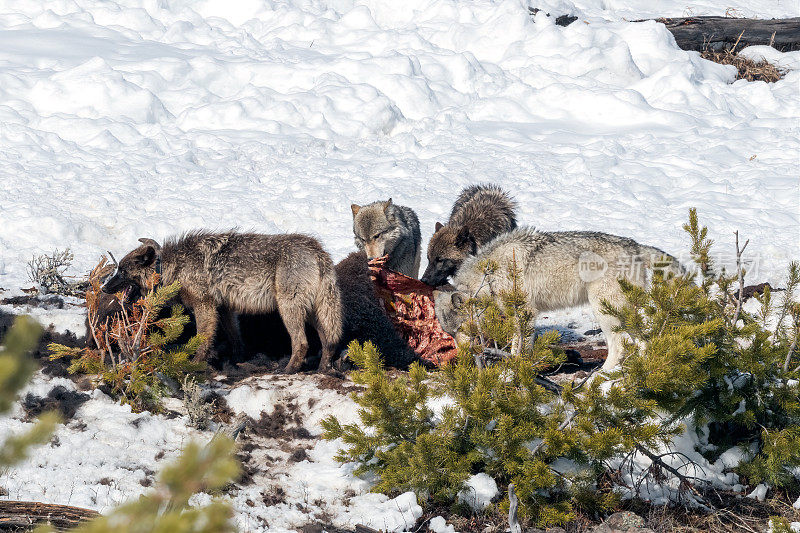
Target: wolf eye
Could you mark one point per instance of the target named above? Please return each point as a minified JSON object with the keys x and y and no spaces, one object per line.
{"x":377,"y":235}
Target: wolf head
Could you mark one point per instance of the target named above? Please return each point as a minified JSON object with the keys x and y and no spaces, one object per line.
{"x":448,"y":309}
{"x":135,"y":268}
{"x":447,"y":249}
{"x":375,"y":228}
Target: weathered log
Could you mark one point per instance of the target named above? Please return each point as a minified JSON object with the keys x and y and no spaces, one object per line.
{"x":718,"y":33}
{"x":15,"y":515}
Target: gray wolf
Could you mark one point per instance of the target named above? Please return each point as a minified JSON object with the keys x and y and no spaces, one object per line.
{"x":364,"y":317}
{"x":481,"y":213}
{"x":384,"y":228}
{"x":558,"y":270}
{"x":229,"y":273}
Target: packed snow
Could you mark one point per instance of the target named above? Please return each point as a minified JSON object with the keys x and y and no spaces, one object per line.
{"x":120,"y":120}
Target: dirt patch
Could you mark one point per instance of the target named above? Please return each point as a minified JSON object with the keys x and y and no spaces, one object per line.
{"x":51,"y":301}
{"x":340,"y":384}
{"x":283,"y":423}
{"x":221,"y":413}
{"x":298,"y":455}
{"x":41,"y":353}
{"x":66,"y":402}
{"x":273,"y":495}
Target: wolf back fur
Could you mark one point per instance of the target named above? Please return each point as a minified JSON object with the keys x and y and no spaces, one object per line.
{"x":230,"y":273}
{"x":558,"y":270}
{"x":480,"y":213}
{"x":364,"y":317}
{"x":382,"y":228}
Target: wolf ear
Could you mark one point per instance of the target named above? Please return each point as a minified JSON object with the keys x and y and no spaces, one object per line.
{"x":147,"y":257}
{"x":151,"y":242}
{"x":465,"y":241}
{"x":386,"y":204}
{"x":355,"y":208}
{"x":439,"y":226}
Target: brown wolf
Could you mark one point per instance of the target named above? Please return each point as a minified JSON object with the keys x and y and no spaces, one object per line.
{"x":481,"y":213}
{"x":384,"y":228}
{"x":244,"y":273}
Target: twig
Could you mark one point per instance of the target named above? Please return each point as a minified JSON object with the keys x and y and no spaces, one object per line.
{"x":789,"y":355}
{"x":513,"y":502}
{"x":544,"y":382}
{"x":684,"y":479}
{"x":740,"y":272}
{"x":732,"y":49}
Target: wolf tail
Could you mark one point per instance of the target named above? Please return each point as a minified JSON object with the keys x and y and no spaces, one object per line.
{"x":328,"y":305}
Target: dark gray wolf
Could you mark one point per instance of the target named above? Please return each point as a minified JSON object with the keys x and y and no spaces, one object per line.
{"x":382,"y":228}
{"x":558,"y":270}
{"x":364,"y":317}
{"x":481,"y":213}
{"x":230,"y":273}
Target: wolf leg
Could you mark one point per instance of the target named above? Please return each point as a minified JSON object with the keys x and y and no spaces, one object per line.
{"x":207,"y":317}
{"x":327,"y":349}
{"x":230,"y":323}
{"x":614,"y":340}
{"x":294,"y":318}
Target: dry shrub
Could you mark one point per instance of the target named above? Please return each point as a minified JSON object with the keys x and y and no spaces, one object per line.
{"x":136,"y":350}
{"x":747,"y":68}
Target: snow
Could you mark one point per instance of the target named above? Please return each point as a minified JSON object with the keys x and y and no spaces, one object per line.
{"x":120,"y":120}
{"x":784,"y":60}
{"x":438,"y":524}
{"x":100,"y":459}
{"x":479,"y":492}
{"x":683,"y":454}
{"x":759,"y":493}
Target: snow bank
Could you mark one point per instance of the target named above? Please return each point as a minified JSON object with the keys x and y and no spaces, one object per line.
{"x":479,"y":492}
{"x":783,"y":60}
{"x":129,"y":119}
{"x":104,"y":457}
{"x":438,"y":524}
{"x":684,"y":455}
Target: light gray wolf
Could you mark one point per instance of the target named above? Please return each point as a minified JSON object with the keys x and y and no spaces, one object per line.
{"x":481,"y":213}
{"x":558,"y":270}
{"x":229,"y":273}
{"x":384,"y":228}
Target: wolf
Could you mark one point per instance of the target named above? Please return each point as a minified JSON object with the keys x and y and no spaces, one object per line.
{"x":558,"y":270}
{"x":364,"y":316}
{"x":230,"y":273}
{"x":382,"y":228}
{"x":481,"y":213}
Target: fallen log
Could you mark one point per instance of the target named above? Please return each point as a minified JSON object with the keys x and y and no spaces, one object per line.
{"x":719,"y":33}
{"x":15,"y":515}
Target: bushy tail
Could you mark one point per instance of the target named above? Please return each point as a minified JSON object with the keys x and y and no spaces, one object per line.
{"x":328,"y":306}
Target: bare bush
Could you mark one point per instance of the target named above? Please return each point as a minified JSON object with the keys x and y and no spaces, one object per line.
{"x":199,"y":411}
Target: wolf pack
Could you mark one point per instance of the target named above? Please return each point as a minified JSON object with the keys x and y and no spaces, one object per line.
{"x":225,"y":275}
